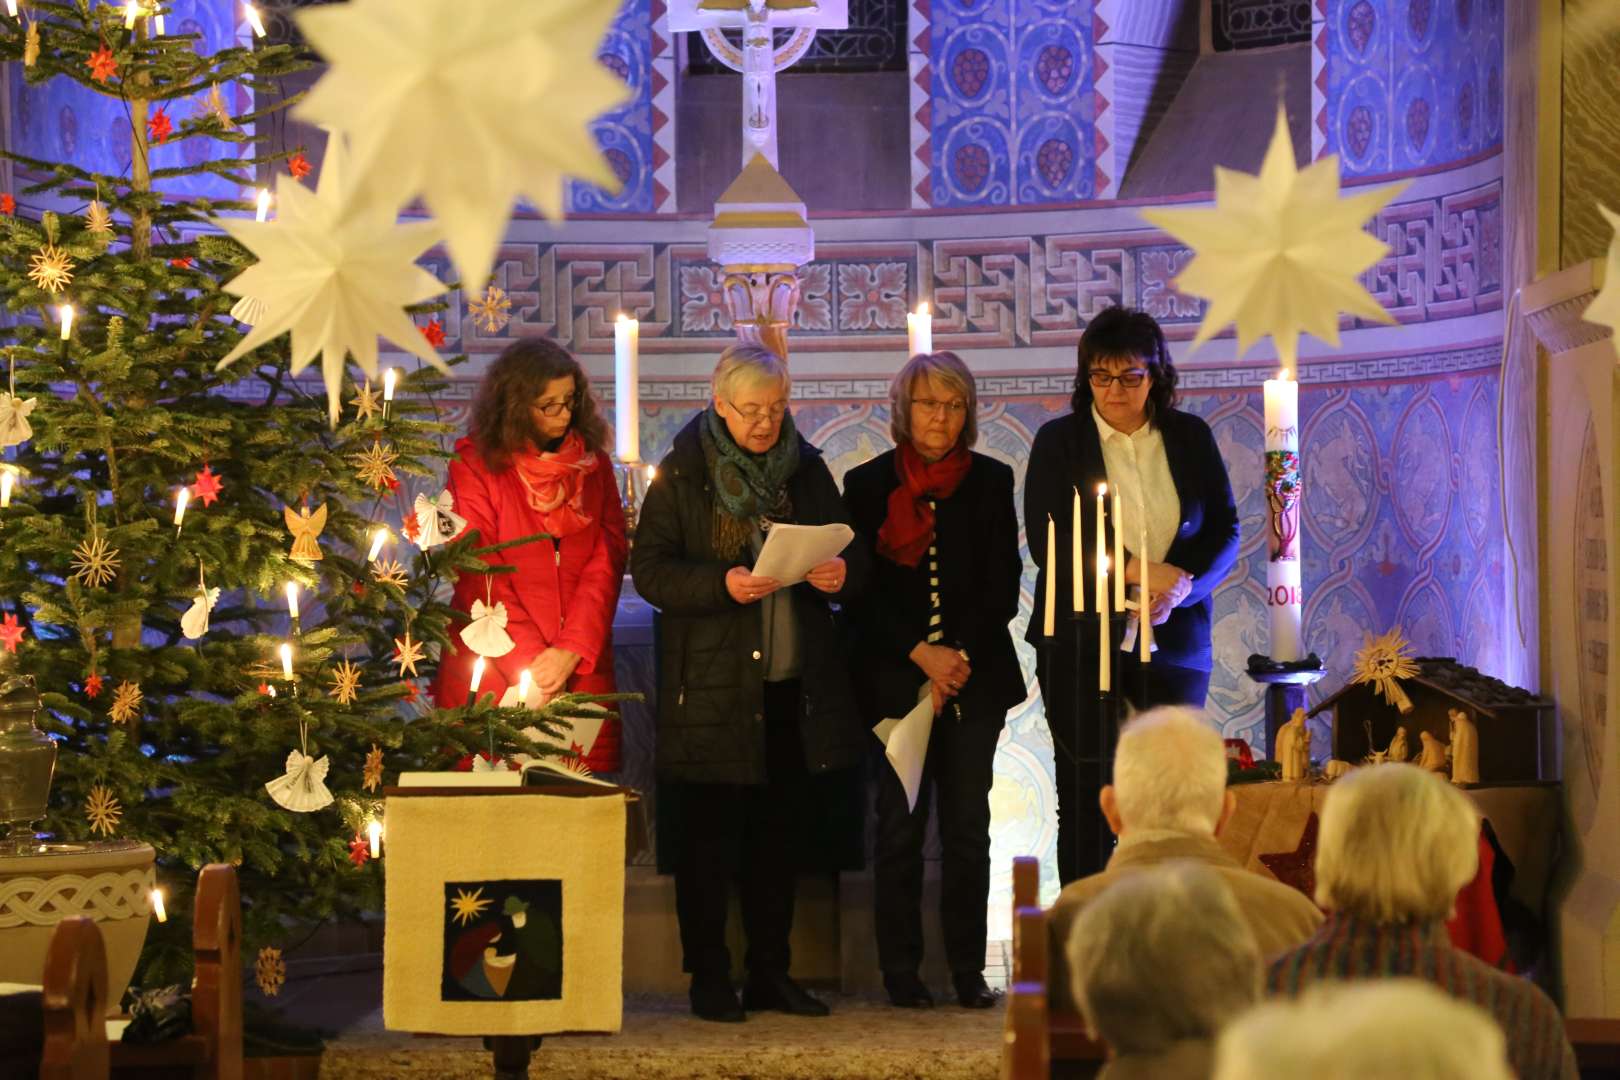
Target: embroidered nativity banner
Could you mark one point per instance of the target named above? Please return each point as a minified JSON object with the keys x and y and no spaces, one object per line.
{"x":505,"y":913}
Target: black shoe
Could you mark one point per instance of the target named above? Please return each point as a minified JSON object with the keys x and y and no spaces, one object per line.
{"x":713,"y":999}
{"x":781,"y":994}
{"x":906,"y":991}
{"x":973,"y":992}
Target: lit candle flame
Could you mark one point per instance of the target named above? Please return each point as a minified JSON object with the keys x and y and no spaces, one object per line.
{"x":1102,"y":489}
{"x":292,"y":600}
{"x":251,"y":13}
{"x":286,"y":661}
{"x":922,"y":308}
{"x":374,"y":830}
{"x":378,"y":539}
{"x":11,"y":8}
{"x":180,"y":501}
{"x":388,"y":384}
{"x":525,"y":681}
{"x":132,"y":11}
{"x":157,"y":906}
{"x":262,"y":213}
{"x":478,"y":676}
{"x":66,"y":313}
{"x":652,"y":473}
{"x":7,"y":479}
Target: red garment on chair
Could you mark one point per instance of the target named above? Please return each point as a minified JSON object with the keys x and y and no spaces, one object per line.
{"x":563,"y":594}
{"x":1476,"y":926}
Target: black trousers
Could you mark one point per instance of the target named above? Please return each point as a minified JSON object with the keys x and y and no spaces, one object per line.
{"x":743,"y":833}
{"x":1084,"y":842}
{"x":957,"y":773}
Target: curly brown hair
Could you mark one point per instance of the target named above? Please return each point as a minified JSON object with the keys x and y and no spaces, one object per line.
{"x":502,"y":423}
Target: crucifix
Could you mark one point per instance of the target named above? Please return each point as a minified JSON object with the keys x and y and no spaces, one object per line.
{"x":758,"y":58}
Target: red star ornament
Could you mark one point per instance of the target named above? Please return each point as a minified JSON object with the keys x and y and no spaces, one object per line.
{"x":8,"y":204}
{"x":299,"y":166}
{"x":434,"y":332}
{"x":1297,"y":868}
{"x":412,"y":694}
{"x":92,"y":687}
{"x":359,"y":849}
{"x":207,"y":486}
{"x":181,"y":264}
{"x":11,"y":632}
{"x":158,"y":126}
{"x":102,"y":65}
{"x":410,"y":527}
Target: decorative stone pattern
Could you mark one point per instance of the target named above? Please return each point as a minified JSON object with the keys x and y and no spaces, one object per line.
{"x":1591,"y":565}
{"x":1405,"y":85}
{"x":638,"y":53}
{"x":32,"y":901}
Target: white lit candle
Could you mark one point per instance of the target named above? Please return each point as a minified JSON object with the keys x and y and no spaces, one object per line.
{"x":157,"y":24}
{"x":378,"y":539}
{"x":8,"y":477}
{"x":262,"y":210}
{"x":1105,"y":672}
{"x":1144,"y":608}
{"x":374,"y":831}
{"x":919,"y":331}
{"x":1075,"y":548}
{"x":181,"y":498}
{"x":66,"y":314}
{"x":389,"y":378}
{"x":11,"y":8}
{"x":251,"y":13}
{"x":652,"y":473}
{"x":286,"y":661}
{"x":157,"y":906}
{"x":1119,"y":556}
{"x":292,"y":599}
{"x":627,"y":388}
{"x":478,"y":677}
{"x":1284,"y":597}
{"x":525,"y":683}
{"x":132,"y":11}
{"x":1049,"y":613}
{"x":1102,"y":550}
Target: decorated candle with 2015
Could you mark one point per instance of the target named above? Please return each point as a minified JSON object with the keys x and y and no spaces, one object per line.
{"x":1285,"y":598}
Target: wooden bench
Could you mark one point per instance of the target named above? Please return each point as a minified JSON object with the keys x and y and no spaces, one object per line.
{"x":74,"y":1003}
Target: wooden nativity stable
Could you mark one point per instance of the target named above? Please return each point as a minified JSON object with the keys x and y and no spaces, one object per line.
{"x":1517,"y":739}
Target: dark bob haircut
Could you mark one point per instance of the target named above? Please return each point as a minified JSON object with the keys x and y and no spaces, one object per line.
{"x":502,"y":423}
{"x":1121,"y":332}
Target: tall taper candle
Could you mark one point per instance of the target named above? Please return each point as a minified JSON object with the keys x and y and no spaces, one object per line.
{"x":627,"y":389}
{"x":1102,"y":551}
{"x":919,"y":331}
{"x":1076,"y":548}
{"x":1119,"y":556}
{"x":1049,"y":616}
{"x":1105,"y":667}
{"x":1144,"y":607}
{"x":1284,"y":597}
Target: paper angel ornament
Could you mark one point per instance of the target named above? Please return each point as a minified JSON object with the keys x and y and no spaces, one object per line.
{"x":302,"y":788}
{"x":486,"y":635}
{"x":306,"y":529}
{"x":14,"y":419}
{"x":437,"y":524}
{"x":249,"y":310}
{"x":194,"y":623}
{"x":1280,"y":253}
{"x":480,"y":763}
{"x":1605,"y":308}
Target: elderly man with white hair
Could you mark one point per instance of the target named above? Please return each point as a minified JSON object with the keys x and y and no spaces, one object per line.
{"x":1395,"y":845}
{"x":1159,"y":963}
{"x":1395,"y":1029}
{"x":1167,"y":802}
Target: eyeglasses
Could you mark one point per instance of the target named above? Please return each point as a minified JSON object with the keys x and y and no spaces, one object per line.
{"x":556,"y":408}
{"x":754,"y":414}
{"x":1130,"y":380}
{"x":950,"y":408}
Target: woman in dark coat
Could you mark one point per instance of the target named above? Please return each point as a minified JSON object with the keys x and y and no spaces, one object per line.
{"x":753,"y":685}
{"x":944,"y":588}
{"x":1126,"y":431}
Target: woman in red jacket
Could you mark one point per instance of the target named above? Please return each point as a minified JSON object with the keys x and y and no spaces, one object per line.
{"x":533,"y":462}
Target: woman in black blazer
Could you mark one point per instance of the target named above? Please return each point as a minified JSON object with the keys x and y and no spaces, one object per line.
{"x":1126,"y":431}
{"x":944,"y":588}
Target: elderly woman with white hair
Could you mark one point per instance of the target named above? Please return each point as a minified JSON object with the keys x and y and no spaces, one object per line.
{"x":754,"y":693}
{"x":1395,"y":845}
{"x":1159,"y":964}
{"x":1394,"y":1029}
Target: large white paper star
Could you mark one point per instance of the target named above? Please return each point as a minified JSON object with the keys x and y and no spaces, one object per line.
{"x":335,"y":272}
{"x":1605,"y":309}
{"x":467,"y":103}
{"x":1280,"y":253}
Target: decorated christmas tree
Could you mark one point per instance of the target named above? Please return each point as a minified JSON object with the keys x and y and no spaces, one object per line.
{"x":208,"y":565}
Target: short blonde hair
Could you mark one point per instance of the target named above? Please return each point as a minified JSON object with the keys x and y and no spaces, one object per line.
{"x":1170,"y":771}
{"x":1396,"y":843}
{"x":949,"y":369}
{"x":1377,"y":1029}
{"x":1162,"y":955}
{"x":748,"y":365}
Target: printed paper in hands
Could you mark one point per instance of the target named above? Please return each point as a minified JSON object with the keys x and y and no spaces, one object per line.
{"x":1605,"y":310}
{"x":1280,"y":253}
{"x":905,"y":743}
{"x":792,"y":551}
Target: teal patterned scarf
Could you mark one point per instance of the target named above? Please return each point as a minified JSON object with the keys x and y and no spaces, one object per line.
{"x":747,"y":486}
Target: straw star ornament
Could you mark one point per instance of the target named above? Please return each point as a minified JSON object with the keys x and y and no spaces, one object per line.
{"x":1384,"y":661}
{"x":50,"y":269}
{"x":1280,"y":253}
{"x":345,"y":683}
{"x":103,"y":811}
{"x":94,"y":562}
{"x":403,"y":76}
{"x":126,"y":704}
{"x":407,"y":653}
{"x":1605,"y":309}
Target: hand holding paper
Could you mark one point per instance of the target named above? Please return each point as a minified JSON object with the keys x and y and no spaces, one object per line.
{"x":905,"y":741}
{"x":792,"y":551}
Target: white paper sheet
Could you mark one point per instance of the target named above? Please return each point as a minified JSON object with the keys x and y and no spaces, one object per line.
{"x":792,"y":551}
{"x":905,"y":742}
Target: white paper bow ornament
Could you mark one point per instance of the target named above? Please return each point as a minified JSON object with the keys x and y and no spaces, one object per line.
{"x":437,"y":524}
{"x":194,"y":623}
{"x":302,"y":788}
{"x":14,"y":419}
{"x":486,"y":635}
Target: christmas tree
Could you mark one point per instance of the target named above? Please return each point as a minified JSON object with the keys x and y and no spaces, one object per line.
{"x":164,"y":513}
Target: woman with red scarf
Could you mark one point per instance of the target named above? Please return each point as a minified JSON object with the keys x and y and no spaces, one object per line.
{"x":944,"y":588}
{"x":533,"y":463}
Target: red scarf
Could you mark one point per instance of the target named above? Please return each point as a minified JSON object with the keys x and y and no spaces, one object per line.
{"x":553,"y":483}
{"x":908,"y":530}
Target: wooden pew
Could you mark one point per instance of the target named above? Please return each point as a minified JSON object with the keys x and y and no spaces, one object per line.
{"x":212,"y":1050}
{"x":1037,"y":1043}
{"x":74,"y":1002}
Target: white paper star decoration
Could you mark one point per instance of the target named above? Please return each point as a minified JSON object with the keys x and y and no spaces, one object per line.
{"x":1280,"y":253}
{"x":337,"y":273}
{"x":467,"y":103}
{"x":1605,"y":309}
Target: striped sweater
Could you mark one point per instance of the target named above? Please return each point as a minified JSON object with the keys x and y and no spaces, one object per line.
{"x":1347,"y":947}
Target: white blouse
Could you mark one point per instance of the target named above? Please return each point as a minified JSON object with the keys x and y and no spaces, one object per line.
{"x":1139,"y":470}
